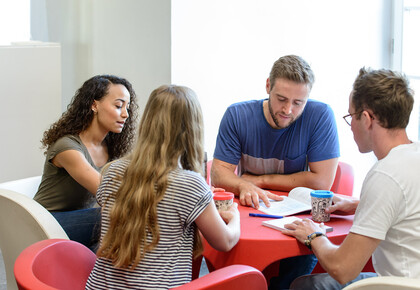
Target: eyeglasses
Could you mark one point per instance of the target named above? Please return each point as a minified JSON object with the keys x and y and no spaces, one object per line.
{"x":348,"y":117}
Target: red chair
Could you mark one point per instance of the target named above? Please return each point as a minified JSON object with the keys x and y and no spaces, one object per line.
{"x":208,"y":179}
{"x":54,"y":264}
{"x":344,"y":179}
{"x":63,"y":264}
{"x":231,"y":277}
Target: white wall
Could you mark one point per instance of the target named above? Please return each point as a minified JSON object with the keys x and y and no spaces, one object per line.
{"x":129,"y":38}
{"x":30,"y":82}
{"x":224,"y":51}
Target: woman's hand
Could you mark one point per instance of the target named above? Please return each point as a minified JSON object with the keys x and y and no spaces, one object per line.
{"x":217,"y":189}
{"x":232,"y":212}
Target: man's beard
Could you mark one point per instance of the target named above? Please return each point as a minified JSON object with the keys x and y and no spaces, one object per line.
{"x":273,"y":116}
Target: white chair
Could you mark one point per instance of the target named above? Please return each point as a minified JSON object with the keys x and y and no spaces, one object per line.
{"x":27,"y":186}
{"x":23,"y":222}
{"x":385,"y":283}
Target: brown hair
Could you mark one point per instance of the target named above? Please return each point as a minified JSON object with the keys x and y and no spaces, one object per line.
{"x":79,"y":116}
{"x":386,"y":93}
{"x":293,"y":68}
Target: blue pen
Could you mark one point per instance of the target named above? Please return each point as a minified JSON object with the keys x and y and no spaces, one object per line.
{"x":266,"y":215}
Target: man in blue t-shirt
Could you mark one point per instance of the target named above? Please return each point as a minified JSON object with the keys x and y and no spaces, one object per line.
{"x":273,"y":142}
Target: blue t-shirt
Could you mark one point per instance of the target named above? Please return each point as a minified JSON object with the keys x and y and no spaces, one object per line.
{"x":246,"y":139}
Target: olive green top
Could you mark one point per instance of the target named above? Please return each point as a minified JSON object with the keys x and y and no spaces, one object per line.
{"x":58,"y":191}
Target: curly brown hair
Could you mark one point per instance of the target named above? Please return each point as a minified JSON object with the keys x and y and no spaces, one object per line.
{"x":79,"y":116}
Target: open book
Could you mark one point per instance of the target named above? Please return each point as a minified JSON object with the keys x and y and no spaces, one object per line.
{"x":299,"y":200}
{"x":278,"y":224}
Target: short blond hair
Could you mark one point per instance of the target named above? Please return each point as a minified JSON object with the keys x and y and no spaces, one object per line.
{"x":293,"y":68}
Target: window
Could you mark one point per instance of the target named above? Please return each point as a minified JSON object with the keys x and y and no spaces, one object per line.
{"x":224,"y":51}
{"x":406,"y":54}
{"x":14,"y":21}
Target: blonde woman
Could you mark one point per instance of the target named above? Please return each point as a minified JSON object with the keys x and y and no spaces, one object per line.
{"x":154,"y":200}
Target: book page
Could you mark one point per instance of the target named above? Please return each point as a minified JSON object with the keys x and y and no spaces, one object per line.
{"x":278,"y":224}
{"x":287,"y":206}
{"x":302,"y":194}
{"x":299,"y":200}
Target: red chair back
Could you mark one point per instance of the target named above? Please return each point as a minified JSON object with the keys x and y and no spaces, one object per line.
{"x":54,"y":264}
{"x":209,"y":163}
{"x":344,"y":179}
{"x":230,"y":277}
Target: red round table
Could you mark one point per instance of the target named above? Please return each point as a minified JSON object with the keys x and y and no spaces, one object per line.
{"x":260,"y":246}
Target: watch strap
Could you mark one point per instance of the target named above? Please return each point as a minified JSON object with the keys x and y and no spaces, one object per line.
{"x":311,"y":237}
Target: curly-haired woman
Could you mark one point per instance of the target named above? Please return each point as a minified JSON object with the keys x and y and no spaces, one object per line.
{"x":98,"y":126}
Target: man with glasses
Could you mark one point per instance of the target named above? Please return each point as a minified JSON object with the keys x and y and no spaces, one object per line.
{"x":386,"y":224}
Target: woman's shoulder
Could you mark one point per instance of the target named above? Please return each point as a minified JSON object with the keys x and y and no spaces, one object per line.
{"x":188,"y":179}
{"x":180,"y":173}
{"x":117,"y":167}
{"x":112,"y":175}
{"x":68,"y":141}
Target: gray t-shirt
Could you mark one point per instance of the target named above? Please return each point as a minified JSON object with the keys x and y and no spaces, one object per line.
{"x":58,"y":191}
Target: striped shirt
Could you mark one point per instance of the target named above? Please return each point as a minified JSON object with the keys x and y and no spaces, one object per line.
{"x":169,"y":264}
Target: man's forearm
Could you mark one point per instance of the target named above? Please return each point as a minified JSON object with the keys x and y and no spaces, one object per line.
{"x":286,"y":182}
{"x":346,"y":261}
{"x":226,"y":179}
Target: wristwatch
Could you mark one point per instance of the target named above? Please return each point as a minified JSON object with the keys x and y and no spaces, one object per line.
{"x":311,"y":237}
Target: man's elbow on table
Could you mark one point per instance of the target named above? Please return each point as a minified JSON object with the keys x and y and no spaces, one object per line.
{"x":318,"y":182}
{"x":221,"y":170}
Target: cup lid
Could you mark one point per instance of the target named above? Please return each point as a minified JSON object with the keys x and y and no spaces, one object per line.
{"x":322,"y":193}
{"x":223,"y":195}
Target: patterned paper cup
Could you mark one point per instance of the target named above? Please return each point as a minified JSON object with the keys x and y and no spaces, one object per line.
{"x":321,"y":199}
{"x":223,"y":200}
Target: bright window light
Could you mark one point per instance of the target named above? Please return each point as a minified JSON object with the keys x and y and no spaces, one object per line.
{"x":411,"y":61}
{"x":14,"y":21}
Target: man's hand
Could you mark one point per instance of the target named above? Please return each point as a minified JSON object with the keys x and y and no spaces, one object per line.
{"x":343,"y":206}
{"x":301,"y":229}
{"x":250,"y":195}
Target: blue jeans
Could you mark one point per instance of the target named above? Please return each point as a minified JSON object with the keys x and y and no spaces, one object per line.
{"x":83,"y":226}
{"x":291,"y":268}
{"x":325,"y":281}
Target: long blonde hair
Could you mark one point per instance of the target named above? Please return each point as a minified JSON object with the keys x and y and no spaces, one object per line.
{"x":170,"y":133}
